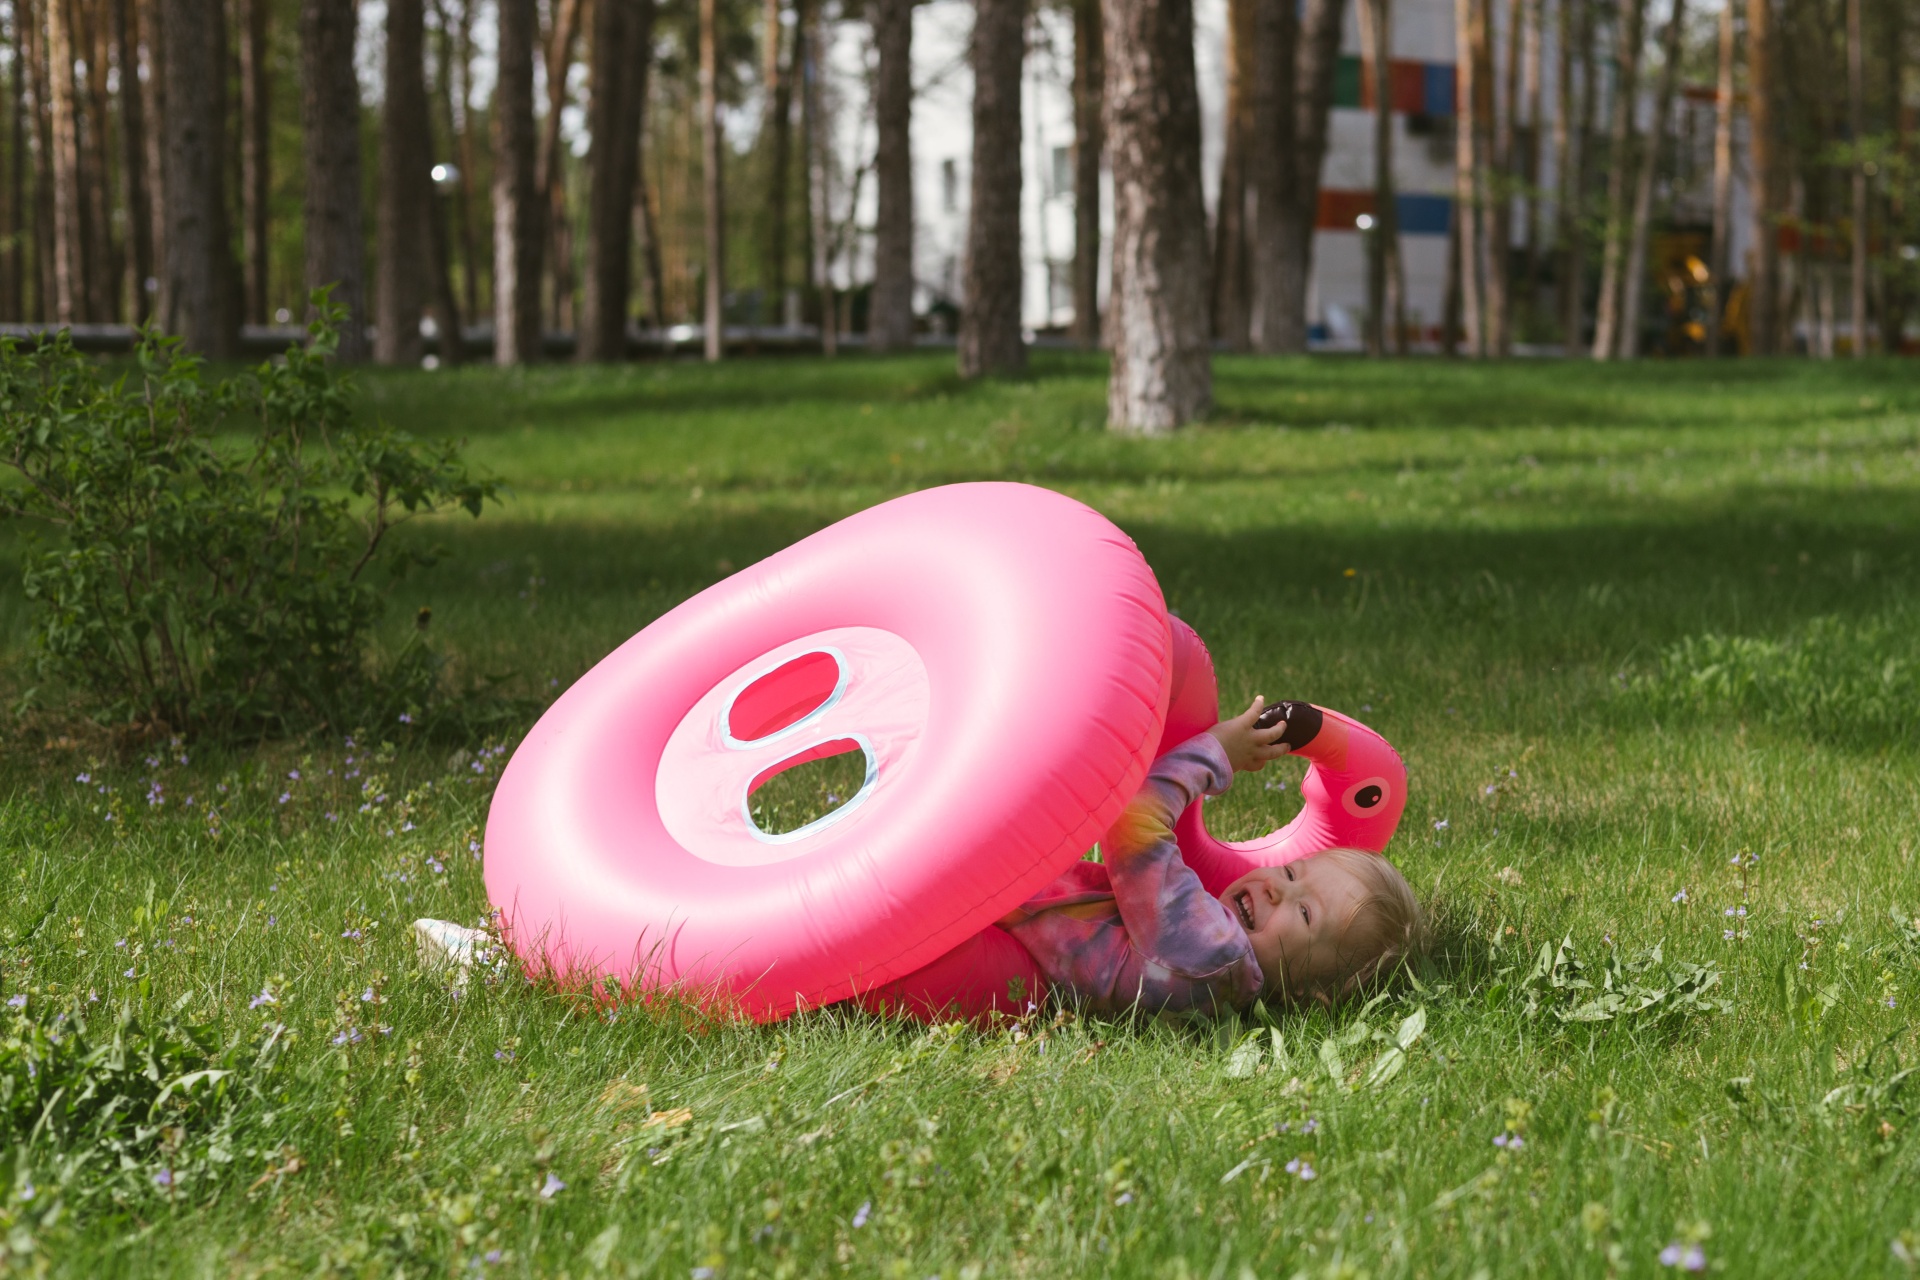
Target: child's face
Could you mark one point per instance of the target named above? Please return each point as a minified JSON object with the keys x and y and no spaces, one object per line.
{"x":1293,"y":916}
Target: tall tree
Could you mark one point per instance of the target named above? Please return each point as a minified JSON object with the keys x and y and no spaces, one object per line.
{"x":990,"y":338}
{"x":153,"y":105}
{"x":1635,"y":272}
{"x":1385,"y":295}
{"x":1491,"y":195}
{"x":256,"y":151}
{"x":101,"y":251}
{"x":1270,"y":171}
{"x":1526,"y":167}
{"x":1857,"y":132}
{"x":1467,"y":167}
{"x":621,"y":57}
{"x":713,"y":314}
{"x":1722,"y":265}
{"x":1089,"y":81}
{"x":1317,"y":59}
{"x":777,"y":130}
{"x":31,"y":22}
{"x":1607,"y":321}
{"x":516,"y":201}
{"x":330,"y":120}
{"x":133,"y":160}
{"x":1162,"y":374}
{"x":406,"y":189}
{"x":13,"y":257}
{"x":1896,"y":291}
{"x":69,"y":272}
{"x":1765,"y":175}
{"x":1232,"y":276}
{"x":196,"y":282}
{"x":1503,"y":174}
{"x":550,"y":159}
{"x":890,"y":309}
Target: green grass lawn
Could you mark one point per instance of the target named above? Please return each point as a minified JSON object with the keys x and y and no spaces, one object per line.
{"x":1627,"y":624}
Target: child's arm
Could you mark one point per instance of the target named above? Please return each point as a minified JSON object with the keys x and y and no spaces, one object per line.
{"x":1169,"y":916}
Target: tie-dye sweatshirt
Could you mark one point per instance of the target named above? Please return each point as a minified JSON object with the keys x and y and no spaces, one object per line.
{"x":1137,"y":928}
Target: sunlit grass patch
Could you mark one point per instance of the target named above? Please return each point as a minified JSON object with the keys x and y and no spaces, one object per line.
{"x":1627,"y":627}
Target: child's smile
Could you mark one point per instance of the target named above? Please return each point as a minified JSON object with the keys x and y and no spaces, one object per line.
{"x":1294,"y":917}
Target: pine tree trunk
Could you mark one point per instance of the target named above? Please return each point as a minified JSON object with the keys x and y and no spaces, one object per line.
{"x":69,"y":274}
{"x":621,"y":54}
{"x":1722,"y":263}
{"x":647,"y":227}
{"x":1162,"y":374}
{"x":13,"y":258}
{"x":1317,"y":59}
{"x":1607,"y":322}
{"x":713,"y":313}
{"x":330,"y":120}
{"x":1270,"y":168}
{"x":1896,"y":292}
{"x":196,"y":281}
{"x":890,"y":313}
{"x":1232,"y":278}
{"x":1496,"y":184}
{"x":133,"y":161}
{"x":106,"y":275}
{"x":406,"y":155}
{"x":1764,"y":178}
{"x":990,"y":337}
{"x":30,"y":21}
{"x":1527,"y":167}
{"x":1376,"y":42}
{"x":1632,"y":288}
{"x":549,"y":169}
{"x":153,"y":102}
{"x":446,"y":306}
{"x":1467,"y":213}
{"x":776,"y":129}
{"x":101,"y":249}
{"x":256,"y":151}
{"x":465,"y":225}
{"x":1857,"y":127}
{"x":1089,"y":87}
{"x":1494,"y":212}
{"x":517,"y":210}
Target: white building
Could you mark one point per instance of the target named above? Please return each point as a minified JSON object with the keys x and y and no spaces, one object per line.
{"x":1421,"y":97}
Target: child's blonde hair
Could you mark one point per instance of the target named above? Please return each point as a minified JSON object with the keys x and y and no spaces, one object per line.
{"x":1386,"y":926}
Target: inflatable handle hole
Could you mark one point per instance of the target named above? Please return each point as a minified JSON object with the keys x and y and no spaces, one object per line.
{"x":784,"y":697}
{"x":810,"y":789}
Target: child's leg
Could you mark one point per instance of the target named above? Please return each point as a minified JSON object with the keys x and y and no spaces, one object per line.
{"x":988,"y":974}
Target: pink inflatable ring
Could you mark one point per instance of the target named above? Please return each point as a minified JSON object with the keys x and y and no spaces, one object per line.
{"x":999,"y":653}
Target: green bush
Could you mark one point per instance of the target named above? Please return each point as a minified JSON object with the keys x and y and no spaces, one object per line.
{"x":199,"y":586}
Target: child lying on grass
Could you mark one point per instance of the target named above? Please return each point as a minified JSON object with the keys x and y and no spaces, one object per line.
{"x":1138,"y":928}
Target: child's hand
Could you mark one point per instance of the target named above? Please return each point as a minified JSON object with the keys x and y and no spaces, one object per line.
{"x":1249,"y":748}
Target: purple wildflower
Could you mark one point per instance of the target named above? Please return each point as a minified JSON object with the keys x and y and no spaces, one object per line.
{"x":266,"y":996}
{"x":164,"y":1178}
{"x":552,"y":1187}
{"x":861,"y":1214}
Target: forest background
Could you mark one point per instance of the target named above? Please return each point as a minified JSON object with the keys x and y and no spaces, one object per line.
{"x":207,"y":164}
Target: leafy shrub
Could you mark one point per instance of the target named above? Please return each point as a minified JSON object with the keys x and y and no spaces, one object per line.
{"x":1833,"y":679}
{"x":202,"y":587}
